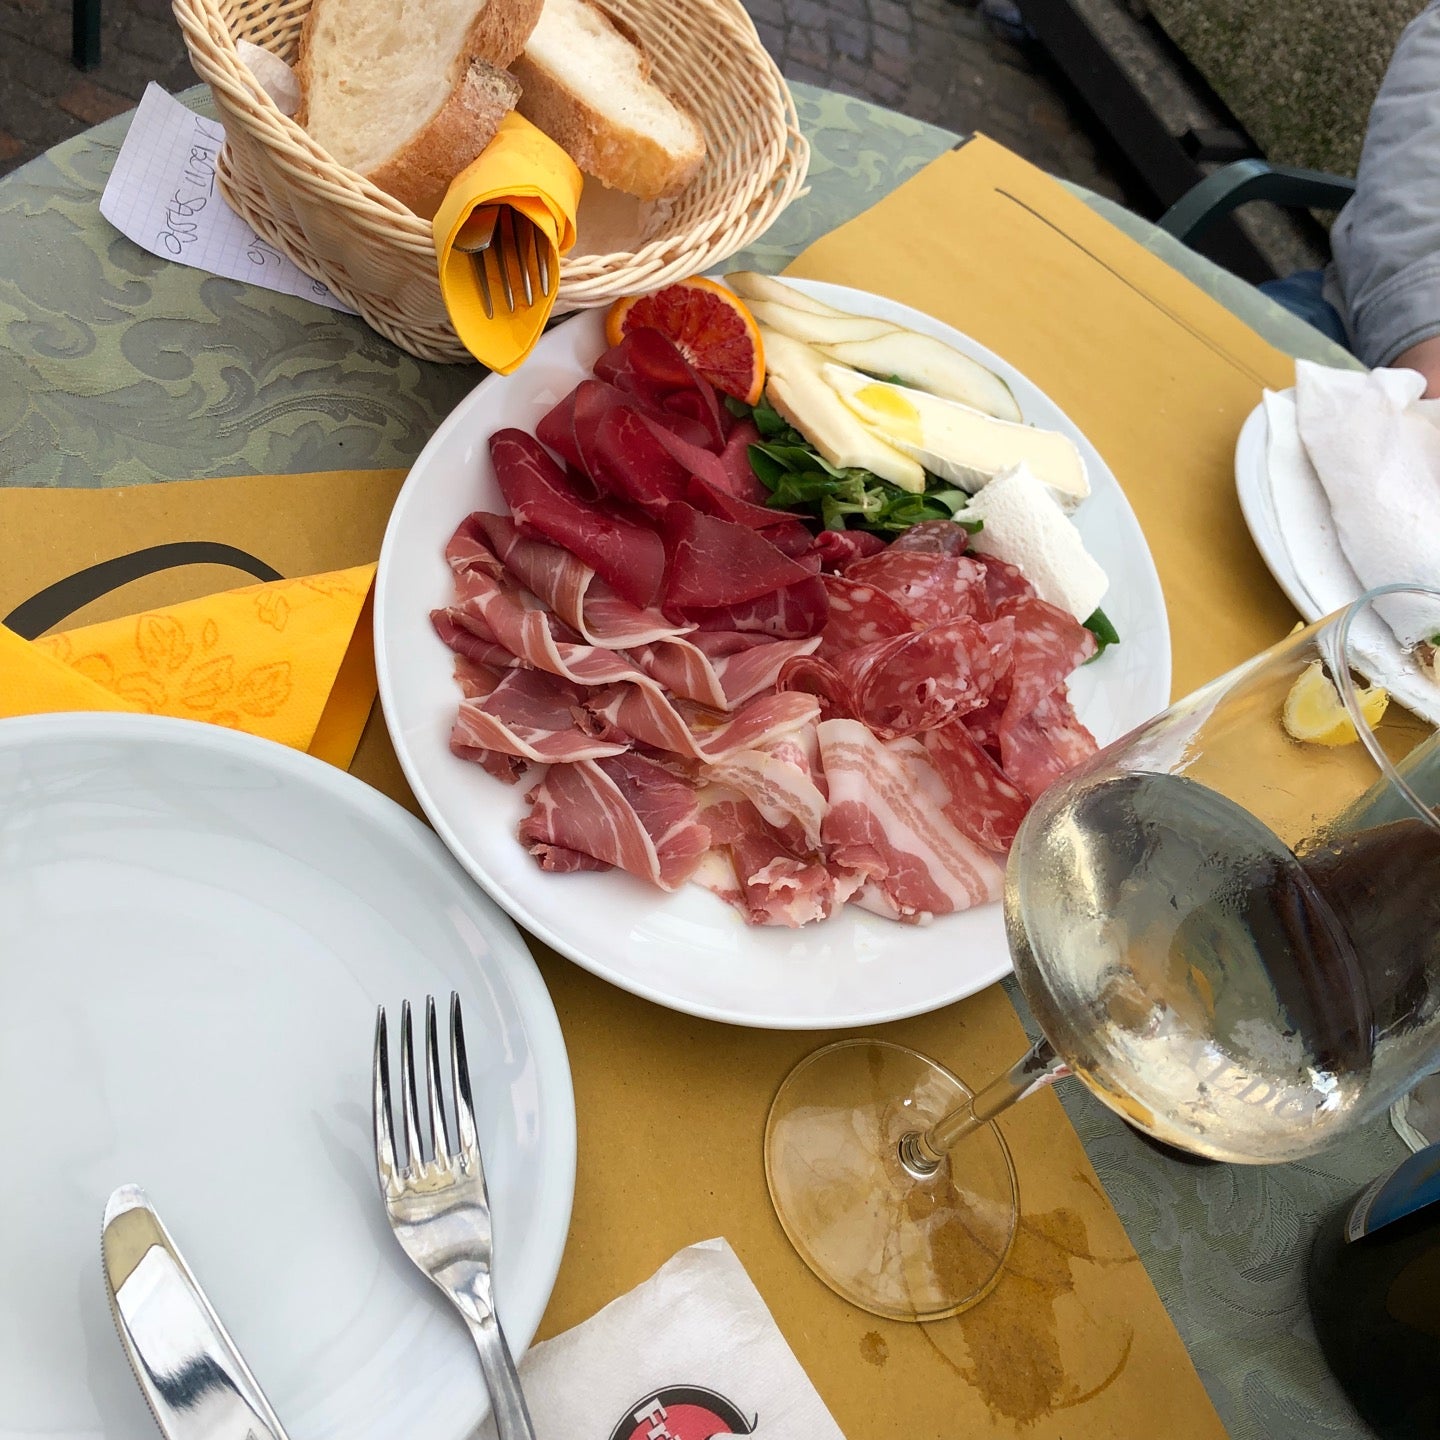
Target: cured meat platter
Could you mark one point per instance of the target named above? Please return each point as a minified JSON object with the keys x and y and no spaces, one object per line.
{"x":684,"y":948}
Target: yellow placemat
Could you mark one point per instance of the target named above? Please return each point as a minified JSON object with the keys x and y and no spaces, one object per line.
{"x":169,"y":631}
{"x":1157,"y":374}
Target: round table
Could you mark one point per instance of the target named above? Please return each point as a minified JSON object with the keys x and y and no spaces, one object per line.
{"x":118,"y":368}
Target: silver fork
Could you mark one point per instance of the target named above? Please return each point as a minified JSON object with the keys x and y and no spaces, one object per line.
{"x":438,"y":1208}
{"x":495,"y":237}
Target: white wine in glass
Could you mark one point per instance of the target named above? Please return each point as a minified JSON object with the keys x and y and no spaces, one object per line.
{"x":1226,"y":924}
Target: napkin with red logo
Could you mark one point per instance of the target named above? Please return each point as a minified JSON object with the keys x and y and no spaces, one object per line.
{"x":690,"y":1354}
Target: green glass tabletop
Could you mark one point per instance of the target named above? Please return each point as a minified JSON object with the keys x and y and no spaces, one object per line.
{"x":119,"y":368}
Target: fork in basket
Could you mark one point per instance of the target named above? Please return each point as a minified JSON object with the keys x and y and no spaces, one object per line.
{"x":496,"y":237}
{"x":438,"y":1208}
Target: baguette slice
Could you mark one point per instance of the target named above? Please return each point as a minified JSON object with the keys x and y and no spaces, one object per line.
{"x":586,"y":83}
{"x":409,"y":92}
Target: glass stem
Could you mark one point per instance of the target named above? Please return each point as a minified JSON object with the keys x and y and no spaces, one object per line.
{"x":1040,"y":1066}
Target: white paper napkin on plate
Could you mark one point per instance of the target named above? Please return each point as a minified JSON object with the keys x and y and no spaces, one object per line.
{"x":690,"y":1353}
{"x":1352,"y":467}
{"x":1375,"y":445}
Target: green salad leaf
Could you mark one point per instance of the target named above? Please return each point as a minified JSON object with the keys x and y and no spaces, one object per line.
{"x":800,"y":478}
{"x":1104,"y":632}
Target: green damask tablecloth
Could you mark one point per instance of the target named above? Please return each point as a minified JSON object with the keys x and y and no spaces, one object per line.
{"x":119,"y":368}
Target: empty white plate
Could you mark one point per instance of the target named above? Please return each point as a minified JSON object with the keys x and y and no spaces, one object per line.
{"x":195,"y":929}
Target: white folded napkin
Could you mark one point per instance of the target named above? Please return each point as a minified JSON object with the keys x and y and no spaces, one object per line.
{"x":1375,"y":446}
{"x":689,"y":1354}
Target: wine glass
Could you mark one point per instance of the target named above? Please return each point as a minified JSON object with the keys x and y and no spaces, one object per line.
{"x":1225,"y":924}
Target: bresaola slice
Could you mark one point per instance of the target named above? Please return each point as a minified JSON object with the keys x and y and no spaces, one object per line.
{"x":544,"y":502}
{"x":711,"y":563}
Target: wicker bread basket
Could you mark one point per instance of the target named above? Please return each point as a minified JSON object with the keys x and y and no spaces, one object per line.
{"x":379,"y":257}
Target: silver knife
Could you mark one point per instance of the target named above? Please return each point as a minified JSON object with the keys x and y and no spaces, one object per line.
{"x":189,"y":1370}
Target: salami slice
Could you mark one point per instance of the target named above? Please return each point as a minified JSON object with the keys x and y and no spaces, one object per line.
{"x":917,"y":682}
{"x":860,"y":614}
{"x":984,"y":803}
{"x":930,"y":588}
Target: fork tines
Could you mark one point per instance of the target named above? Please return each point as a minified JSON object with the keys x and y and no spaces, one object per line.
{"x":441,"y":1155}
{"x":496,"y":240}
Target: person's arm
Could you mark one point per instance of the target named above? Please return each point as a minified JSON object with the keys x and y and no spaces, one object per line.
{"x":1386,"y":241}
{"x":1424,"y":357}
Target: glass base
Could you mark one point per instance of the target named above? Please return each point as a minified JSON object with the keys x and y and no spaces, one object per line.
{"x":891,"y":1243}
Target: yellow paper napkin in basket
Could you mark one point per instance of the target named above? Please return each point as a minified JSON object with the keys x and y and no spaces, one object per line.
{"x":291,"y":661}
{"x":526,"y":170}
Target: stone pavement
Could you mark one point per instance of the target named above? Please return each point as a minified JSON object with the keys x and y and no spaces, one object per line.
{"x":935,"y":60}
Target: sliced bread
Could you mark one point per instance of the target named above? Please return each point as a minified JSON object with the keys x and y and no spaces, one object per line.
{"x":586,"y":83}
{"x":409,"y":92}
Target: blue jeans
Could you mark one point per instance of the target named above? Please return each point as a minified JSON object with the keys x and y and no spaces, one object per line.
{"x":1301,"y":295}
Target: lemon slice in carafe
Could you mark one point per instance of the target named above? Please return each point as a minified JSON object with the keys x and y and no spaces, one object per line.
{"x":1315,"y":713}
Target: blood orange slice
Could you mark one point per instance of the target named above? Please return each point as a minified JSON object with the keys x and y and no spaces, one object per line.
{"x":710,"y":326}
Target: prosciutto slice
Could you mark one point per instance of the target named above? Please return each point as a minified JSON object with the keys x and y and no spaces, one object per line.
{"x":648,"y":716}
{"x":626,"y":811}
{"x":778,"y":779}
{"x":756,"y":870}
{"x":717,"y":668}
{"x":886,"y":824}
{"x":533,"y":716}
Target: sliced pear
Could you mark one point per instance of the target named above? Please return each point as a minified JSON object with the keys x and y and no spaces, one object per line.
{"x":752,"y":285}
{"x":817,"y":329}
{"x":956,"y":442}
{"x":797,"y":390}
{"x":931,"y":365}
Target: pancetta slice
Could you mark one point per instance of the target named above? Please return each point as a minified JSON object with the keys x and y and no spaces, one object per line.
{"x":886,"y":824}
{"x":626,"y":811}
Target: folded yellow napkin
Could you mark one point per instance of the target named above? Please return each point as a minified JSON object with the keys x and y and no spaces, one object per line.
{"x":291,"y":661}
{"x":526,"y":170}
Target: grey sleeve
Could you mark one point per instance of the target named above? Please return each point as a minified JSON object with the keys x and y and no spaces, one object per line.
{"x":1386,"y":241}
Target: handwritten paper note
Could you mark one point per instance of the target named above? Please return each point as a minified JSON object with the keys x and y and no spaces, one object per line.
{"x":162,"y":195}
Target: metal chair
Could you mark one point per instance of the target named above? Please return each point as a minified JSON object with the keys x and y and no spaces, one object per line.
{"x":1242,"y":181}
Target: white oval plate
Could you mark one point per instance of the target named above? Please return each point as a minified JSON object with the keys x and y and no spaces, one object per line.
{"x":1292,"y":529}
{"x":195,"y":929}
{"x":690,"y":951}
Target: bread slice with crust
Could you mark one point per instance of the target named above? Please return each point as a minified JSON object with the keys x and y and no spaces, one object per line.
{"x":586,"y":83}
{"x":409,"y":92}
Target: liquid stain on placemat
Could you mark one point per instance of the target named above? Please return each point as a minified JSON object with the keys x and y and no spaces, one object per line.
{"x":873,"y":1348}
{"x":1009,"y":1345}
